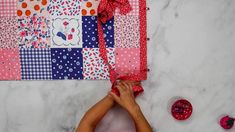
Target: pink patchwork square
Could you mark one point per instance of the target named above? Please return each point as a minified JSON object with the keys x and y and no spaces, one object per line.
{"x":9,"y":64}
{"x":127,"y":60}
{"x":127,"y":31}
{"x":8,"y":34}
{"x":94,"y":66}
{"x":8,"y":8}
{"x":135,"y":8}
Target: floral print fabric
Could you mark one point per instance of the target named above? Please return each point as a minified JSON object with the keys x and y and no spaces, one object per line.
{"x":66,"y":33}
{"x":33,"y":32}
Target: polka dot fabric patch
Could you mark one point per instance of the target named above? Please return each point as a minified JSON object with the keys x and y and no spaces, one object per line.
{"x":67,"y":8}
{"x":31,"y":7}
{"x":8,"y":25}
{"x":67,"y":63}
{"x":34,"y":32}
{"x":94,"y":67}
{"x":89,"y":7}
{"x":90,"y":32}
{"x":66,"y":32}
{"x":127,"y":31}
{"x":127,"y":60}
{"x":9,"y":64}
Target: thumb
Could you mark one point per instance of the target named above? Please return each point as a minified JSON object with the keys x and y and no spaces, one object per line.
{"x":115,"y":97}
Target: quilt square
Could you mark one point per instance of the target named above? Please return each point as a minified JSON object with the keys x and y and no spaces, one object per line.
{"x":90,"y":32}
{"x":9,"y":64}
{"x":35,"y":64}
{"x":66,"y":33}
{"x":127,"y":60}
{"x":93,"y":65}
{"x":8,"y":34}
{"x":65,"y":8}
{"x":67,"y":63}
{"x":31,"y":7}
{"x":8,"y":8}
{"x":135,"y":8}
{"x":89,"y":7}
{"x":34,"y":32}
{"x":127,"y":31}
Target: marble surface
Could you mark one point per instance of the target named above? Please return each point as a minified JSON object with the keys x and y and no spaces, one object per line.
{"x":191,"y":54}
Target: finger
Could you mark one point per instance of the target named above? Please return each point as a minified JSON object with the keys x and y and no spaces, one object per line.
{"x":120,"y":89}
{"x":133,"y":83}
{"x":126,"y":86}
{"x":137,"y":83}
{"x":118,"y":82}
{"x":115,"y":97}
{"x":122,"y":86}
{"x":131,"y":89}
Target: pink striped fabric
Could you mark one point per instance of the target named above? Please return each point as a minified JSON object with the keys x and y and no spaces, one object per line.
{"x":8,"y":8}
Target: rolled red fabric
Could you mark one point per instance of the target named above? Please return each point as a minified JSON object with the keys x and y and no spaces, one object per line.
{"x":106,"y":11}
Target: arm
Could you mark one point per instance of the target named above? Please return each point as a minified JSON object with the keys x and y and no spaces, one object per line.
{"x":141,"y":123}
{"x":127,"y":101}
{"x":95,"y":114}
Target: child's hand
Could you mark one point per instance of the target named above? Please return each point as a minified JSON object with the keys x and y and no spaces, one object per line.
{"x":126,"y":99}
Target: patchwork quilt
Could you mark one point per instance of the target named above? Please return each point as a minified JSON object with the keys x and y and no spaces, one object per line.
{"x":59,"y":39}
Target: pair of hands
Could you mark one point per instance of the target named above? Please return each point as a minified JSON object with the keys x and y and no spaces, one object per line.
{"x":126,"y":99}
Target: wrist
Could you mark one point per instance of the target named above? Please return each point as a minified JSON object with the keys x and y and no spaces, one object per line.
{"x":110,"y":98}
{"x":134,"y":110}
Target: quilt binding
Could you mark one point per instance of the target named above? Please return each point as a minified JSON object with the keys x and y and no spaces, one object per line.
{"x":143,"y":38}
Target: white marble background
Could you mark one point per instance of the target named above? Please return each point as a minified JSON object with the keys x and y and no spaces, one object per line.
{"x":191,"y":54}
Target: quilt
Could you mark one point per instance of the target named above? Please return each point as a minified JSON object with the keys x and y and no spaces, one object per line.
{"x":73,"y":39}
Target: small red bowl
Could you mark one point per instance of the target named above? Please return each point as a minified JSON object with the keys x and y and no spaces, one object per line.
{"x":181,"y":109}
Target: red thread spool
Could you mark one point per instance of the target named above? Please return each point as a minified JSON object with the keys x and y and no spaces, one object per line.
{"x":181,"y":109}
